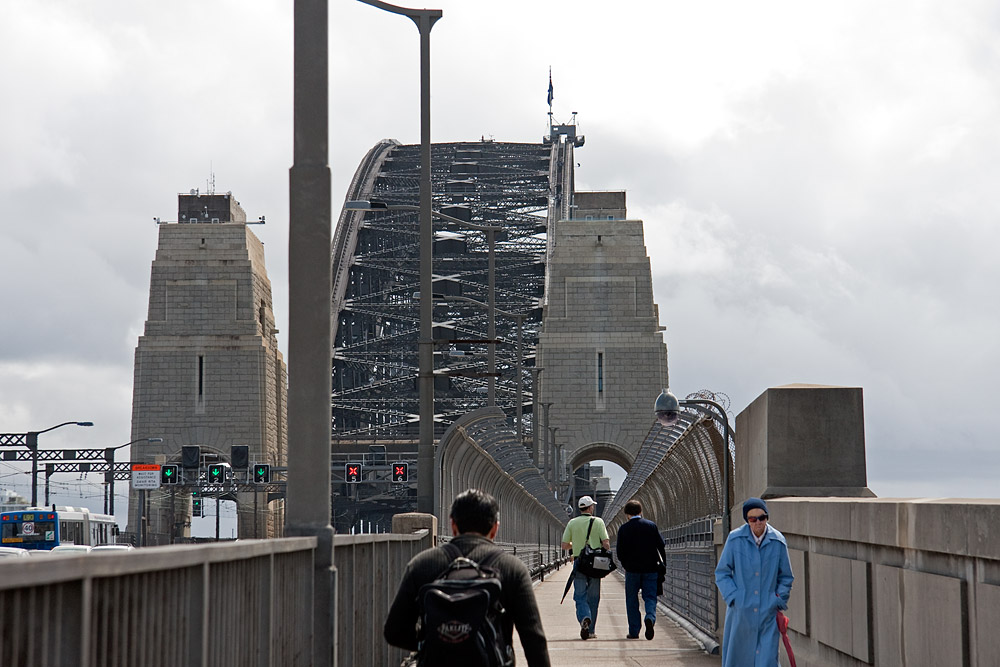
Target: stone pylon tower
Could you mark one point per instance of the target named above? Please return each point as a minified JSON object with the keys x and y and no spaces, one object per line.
{"x":601,"y":344}
{"x":207,"y":367}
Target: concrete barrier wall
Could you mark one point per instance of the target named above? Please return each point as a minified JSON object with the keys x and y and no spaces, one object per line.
{"x":893,"y":582}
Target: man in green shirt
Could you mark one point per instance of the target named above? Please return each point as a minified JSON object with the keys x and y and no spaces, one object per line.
{"x":586,"y":590}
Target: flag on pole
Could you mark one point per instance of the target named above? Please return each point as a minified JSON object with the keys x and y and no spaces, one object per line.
{"x":550,"y":86}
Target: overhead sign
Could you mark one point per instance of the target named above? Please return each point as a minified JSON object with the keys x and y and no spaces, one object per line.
{"x":145,"y":476}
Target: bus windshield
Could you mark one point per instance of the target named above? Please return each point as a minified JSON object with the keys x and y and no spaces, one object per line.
{"x":29,"y":530}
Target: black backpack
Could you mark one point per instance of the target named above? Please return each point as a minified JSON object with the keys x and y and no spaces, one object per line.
{"x":461,"y":618}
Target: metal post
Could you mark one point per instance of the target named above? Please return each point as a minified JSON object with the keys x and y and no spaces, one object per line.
{"x":519,"y":413}
{"x":109,"y":456}
{"x":492,"y":315}
{"x":218,"y":512}
{"x":48,"y":473}
{"x":309,"y":341}
{"x":557,"y":473}
{"x":536,"y":386}
{"x":425,"y":449}
{"x":548,"y":443}
{"x":173,"y":513}
{"x":141,"y":537}
{"x":32,"y":443}
{"x":424,"y":19}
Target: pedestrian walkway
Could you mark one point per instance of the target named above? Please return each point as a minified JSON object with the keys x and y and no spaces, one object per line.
{"x":671,"y":647}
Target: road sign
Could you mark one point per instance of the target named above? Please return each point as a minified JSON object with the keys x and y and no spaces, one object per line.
{"x":145,"y":476}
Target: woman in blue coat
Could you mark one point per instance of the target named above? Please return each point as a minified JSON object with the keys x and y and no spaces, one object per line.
{"x":754,"y":577}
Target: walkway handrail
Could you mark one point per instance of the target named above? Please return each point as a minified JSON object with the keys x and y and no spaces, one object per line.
{"x":246,"y":603}
{"x":481,"y":450}
{"x":677,"y":474}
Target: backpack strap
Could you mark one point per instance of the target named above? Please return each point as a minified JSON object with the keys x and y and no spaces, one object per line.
{"x":452,"y":551}
{"x":590,"y":526}
{"x":490,"y":557}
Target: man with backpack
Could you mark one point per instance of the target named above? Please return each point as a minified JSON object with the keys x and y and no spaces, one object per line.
{"x":582,"y":531}
{"x":468,"y":596}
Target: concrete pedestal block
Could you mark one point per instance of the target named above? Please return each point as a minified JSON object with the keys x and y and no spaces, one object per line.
{"x":802,"y":440}
{"x":411,"y":522}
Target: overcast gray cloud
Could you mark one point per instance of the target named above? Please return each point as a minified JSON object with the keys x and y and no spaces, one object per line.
{"x":817,"y":184}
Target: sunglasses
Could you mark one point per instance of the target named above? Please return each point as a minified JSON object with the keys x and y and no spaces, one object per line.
{"x":755,"y":519}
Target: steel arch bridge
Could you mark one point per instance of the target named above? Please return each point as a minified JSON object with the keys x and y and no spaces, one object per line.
{"x":519,"y":187}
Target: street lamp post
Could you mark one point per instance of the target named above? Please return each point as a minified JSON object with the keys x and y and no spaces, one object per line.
{"x":535,"y":390}
{"x":547,"y":445}
{"x":307,"y":508}
{"x":666,"y":408}
{"x":31,"y":442}
{"x":557,"y":468}
{"x":109,"y":477}
{"x":493,"y":310}
{"x":424,"y":19}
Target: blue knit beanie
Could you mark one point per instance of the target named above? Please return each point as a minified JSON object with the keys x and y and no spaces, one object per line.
{"x":752,"y":503}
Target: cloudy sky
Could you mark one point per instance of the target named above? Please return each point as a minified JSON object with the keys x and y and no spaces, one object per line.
{"x":818,"y":184}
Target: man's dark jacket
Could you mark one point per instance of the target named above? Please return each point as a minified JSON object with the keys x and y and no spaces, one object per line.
{"x":639,"y":545}
{"x":517,"y":597}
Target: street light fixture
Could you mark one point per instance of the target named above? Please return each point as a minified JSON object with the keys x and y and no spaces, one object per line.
{"x":667,"y":407}
{"x":31,"y":442}
{"x":425,"y":20}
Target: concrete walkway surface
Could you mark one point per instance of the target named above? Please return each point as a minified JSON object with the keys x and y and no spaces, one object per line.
{"x":670,"y":647}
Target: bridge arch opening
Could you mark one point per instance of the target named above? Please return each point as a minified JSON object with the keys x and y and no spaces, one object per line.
{"x":607,"y":451}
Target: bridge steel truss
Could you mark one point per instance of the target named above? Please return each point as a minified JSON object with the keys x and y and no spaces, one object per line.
{"x":480,"y":450}
{"x":519,"y":187}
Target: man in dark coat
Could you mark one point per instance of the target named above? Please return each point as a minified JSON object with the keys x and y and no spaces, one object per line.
{"x":640,"y":549}
{"x":474,"y":523}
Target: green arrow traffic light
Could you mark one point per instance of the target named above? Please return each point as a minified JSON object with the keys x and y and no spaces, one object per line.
{"x":262,"y":474}
{"x":168,"y":474}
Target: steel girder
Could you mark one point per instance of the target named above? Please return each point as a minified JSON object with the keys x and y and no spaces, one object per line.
{"x":376,"y":260}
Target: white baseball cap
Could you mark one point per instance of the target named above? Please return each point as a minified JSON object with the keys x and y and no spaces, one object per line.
{"x":585,"y":502}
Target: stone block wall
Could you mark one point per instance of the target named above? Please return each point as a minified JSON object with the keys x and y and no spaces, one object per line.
{"x":892,"y":582}
{"x":208,"y":371}
{"x":601,"y":345}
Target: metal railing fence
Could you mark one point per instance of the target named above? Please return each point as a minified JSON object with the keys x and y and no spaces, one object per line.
{"x":243,"y":603}
{"x":689,"y":588}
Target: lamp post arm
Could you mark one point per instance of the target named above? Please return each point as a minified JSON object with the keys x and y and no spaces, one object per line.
{"x":52,"y":428}
{"x":415,"y":14}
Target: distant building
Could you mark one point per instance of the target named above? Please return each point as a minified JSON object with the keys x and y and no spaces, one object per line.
{"x":10,"y":501}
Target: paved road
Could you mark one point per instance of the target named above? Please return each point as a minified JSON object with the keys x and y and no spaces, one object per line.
{"x":671,"y":647}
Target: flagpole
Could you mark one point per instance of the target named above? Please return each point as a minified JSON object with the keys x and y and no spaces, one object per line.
{"x":550,"y":100}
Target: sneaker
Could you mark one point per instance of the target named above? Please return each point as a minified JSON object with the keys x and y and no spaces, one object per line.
{"x":649,"y":628}
{"x":631,"y":636}
{"x":585,"y":629}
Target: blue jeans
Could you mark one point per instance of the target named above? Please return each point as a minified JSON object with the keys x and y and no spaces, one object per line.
{"x":587,"y":596}
{"x":634,"y":582}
